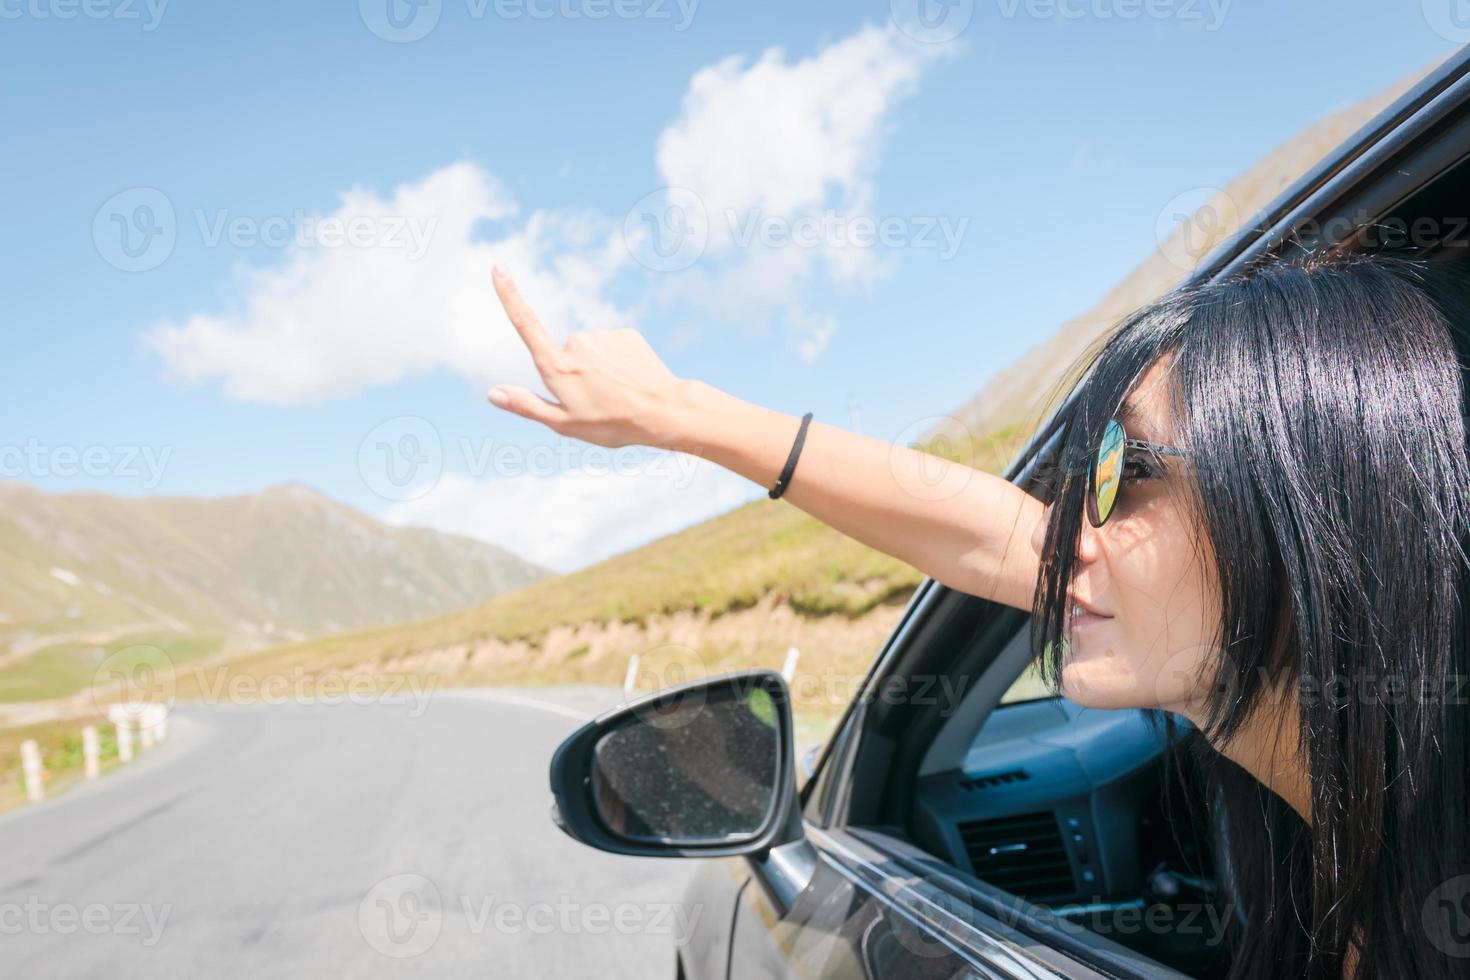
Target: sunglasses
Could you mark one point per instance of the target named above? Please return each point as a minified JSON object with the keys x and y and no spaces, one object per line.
{"x":1105,"y":478}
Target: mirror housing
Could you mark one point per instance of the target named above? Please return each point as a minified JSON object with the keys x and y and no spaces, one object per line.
{"x":696,"y":721}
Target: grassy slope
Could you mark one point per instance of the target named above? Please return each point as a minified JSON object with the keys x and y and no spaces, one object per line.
{"x":725,"y":564}
{"x":61,"y":753}
{"x":59,"y":670}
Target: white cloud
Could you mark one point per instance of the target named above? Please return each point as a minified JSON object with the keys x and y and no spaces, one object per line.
{"x":786,"y":137}
{"x":332,"y":321}
{"x":581,"y":516}
{"x":812,"y":332}
{"x":790,"y":144}
{"x":780,"y":154}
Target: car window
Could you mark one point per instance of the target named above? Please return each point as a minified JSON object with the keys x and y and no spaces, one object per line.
{"x":1030,"y":686}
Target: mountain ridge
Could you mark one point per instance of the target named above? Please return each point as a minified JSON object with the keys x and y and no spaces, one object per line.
{"x":276,"y":565}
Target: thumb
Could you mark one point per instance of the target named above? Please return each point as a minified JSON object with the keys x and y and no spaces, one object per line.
{"x":527,"y":404}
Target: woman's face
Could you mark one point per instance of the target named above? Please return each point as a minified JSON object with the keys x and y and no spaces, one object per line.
{"x":1150,"y":641}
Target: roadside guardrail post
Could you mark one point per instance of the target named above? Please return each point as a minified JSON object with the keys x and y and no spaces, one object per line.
{"x":788,"y":671}
{"x":30,"y":764}
{"x":89,"y":751}
{"x":124,"y":740}
{"x":630,"y":680}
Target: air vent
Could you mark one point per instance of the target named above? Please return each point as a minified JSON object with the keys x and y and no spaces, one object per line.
{"x":971,"y":783}
{"x":1022,"y":855}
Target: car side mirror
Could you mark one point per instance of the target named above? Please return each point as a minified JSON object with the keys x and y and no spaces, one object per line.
{"x":701,"y":770}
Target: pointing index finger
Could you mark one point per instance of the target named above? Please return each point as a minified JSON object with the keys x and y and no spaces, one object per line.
{"x":523,"y":318}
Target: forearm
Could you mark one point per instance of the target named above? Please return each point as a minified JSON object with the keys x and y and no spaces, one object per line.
{"x":968,"y":529}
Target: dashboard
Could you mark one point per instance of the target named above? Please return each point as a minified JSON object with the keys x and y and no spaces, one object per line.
{"x":1054,"y":802}
{"x":1082,"y":810}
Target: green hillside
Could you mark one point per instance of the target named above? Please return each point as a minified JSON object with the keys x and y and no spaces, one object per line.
{"x":84,"y":574}
{"x":722,"y":566}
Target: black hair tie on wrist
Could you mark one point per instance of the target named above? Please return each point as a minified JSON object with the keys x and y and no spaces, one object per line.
{"x":784,"y":480}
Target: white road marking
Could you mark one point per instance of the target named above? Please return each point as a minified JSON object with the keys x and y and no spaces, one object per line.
{"x":536,"y":703}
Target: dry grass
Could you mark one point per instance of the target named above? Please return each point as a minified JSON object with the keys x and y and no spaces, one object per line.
{"x":60,"y":743}
{"x":764,"y":551}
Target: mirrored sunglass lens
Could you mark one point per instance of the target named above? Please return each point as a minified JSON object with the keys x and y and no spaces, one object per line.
{"x":1108,"y":475}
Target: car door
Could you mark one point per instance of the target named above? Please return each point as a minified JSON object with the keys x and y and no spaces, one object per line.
{"x":865,"y":915}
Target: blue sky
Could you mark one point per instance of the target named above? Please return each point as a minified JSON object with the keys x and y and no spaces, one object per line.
{"x":1017,"y":154}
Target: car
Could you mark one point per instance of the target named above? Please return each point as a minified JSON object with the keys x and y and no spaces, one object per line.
{"x":952,"y":828}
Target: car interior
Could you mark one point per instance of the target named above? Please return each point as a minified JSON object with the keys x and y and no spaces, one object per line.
{"x":1086,"y":815}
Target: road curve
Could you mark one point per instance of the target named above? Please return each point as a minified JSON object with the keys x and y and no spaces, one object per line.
{"x":310,"y":840}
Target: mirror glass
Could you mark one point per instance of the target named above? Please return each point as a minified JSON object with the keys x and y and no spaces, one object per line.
{"x":701,"y":770}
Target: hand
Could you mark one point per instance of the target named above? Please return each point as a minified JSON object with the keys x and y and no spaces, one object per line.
{"x":610,"y":387}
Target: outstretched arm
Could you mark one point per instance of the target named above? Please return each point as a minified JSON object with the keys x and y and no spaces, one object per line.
{"x":968,"y":529}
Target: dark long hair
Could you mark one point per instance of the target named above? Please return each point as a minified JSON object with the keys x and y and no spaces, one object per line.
{"x":1325,"y":405}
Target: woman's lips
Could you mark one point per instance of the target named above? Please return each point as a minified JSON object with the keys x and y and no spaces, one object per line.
{"x":1080,"y":616}
{"x":1081,"y":620}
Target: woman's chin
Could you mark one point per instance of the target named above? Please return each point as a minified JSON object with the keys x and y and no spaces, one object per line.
{"x":1101,"y":680}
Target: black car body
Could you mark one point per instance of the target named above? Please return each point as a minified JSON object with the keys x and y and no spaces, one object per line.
{"x":947,"y":836}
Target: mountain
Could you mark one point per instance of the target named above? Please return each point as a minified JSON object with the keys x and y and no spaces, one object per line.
{"x":269,"y":567}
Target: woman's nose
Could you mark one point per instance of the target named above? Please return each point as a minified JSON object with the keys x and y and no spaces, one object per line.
{"x":1088,"y":542}
{"x":1088,"y":537}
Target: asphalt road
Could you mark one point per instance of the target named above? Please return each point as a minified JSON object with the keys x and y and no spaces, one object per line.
{"x":310,"y":840}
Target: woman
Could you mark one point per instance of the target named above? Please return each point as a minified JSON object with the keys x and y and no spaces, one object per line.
{"x":1271,"y":543}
